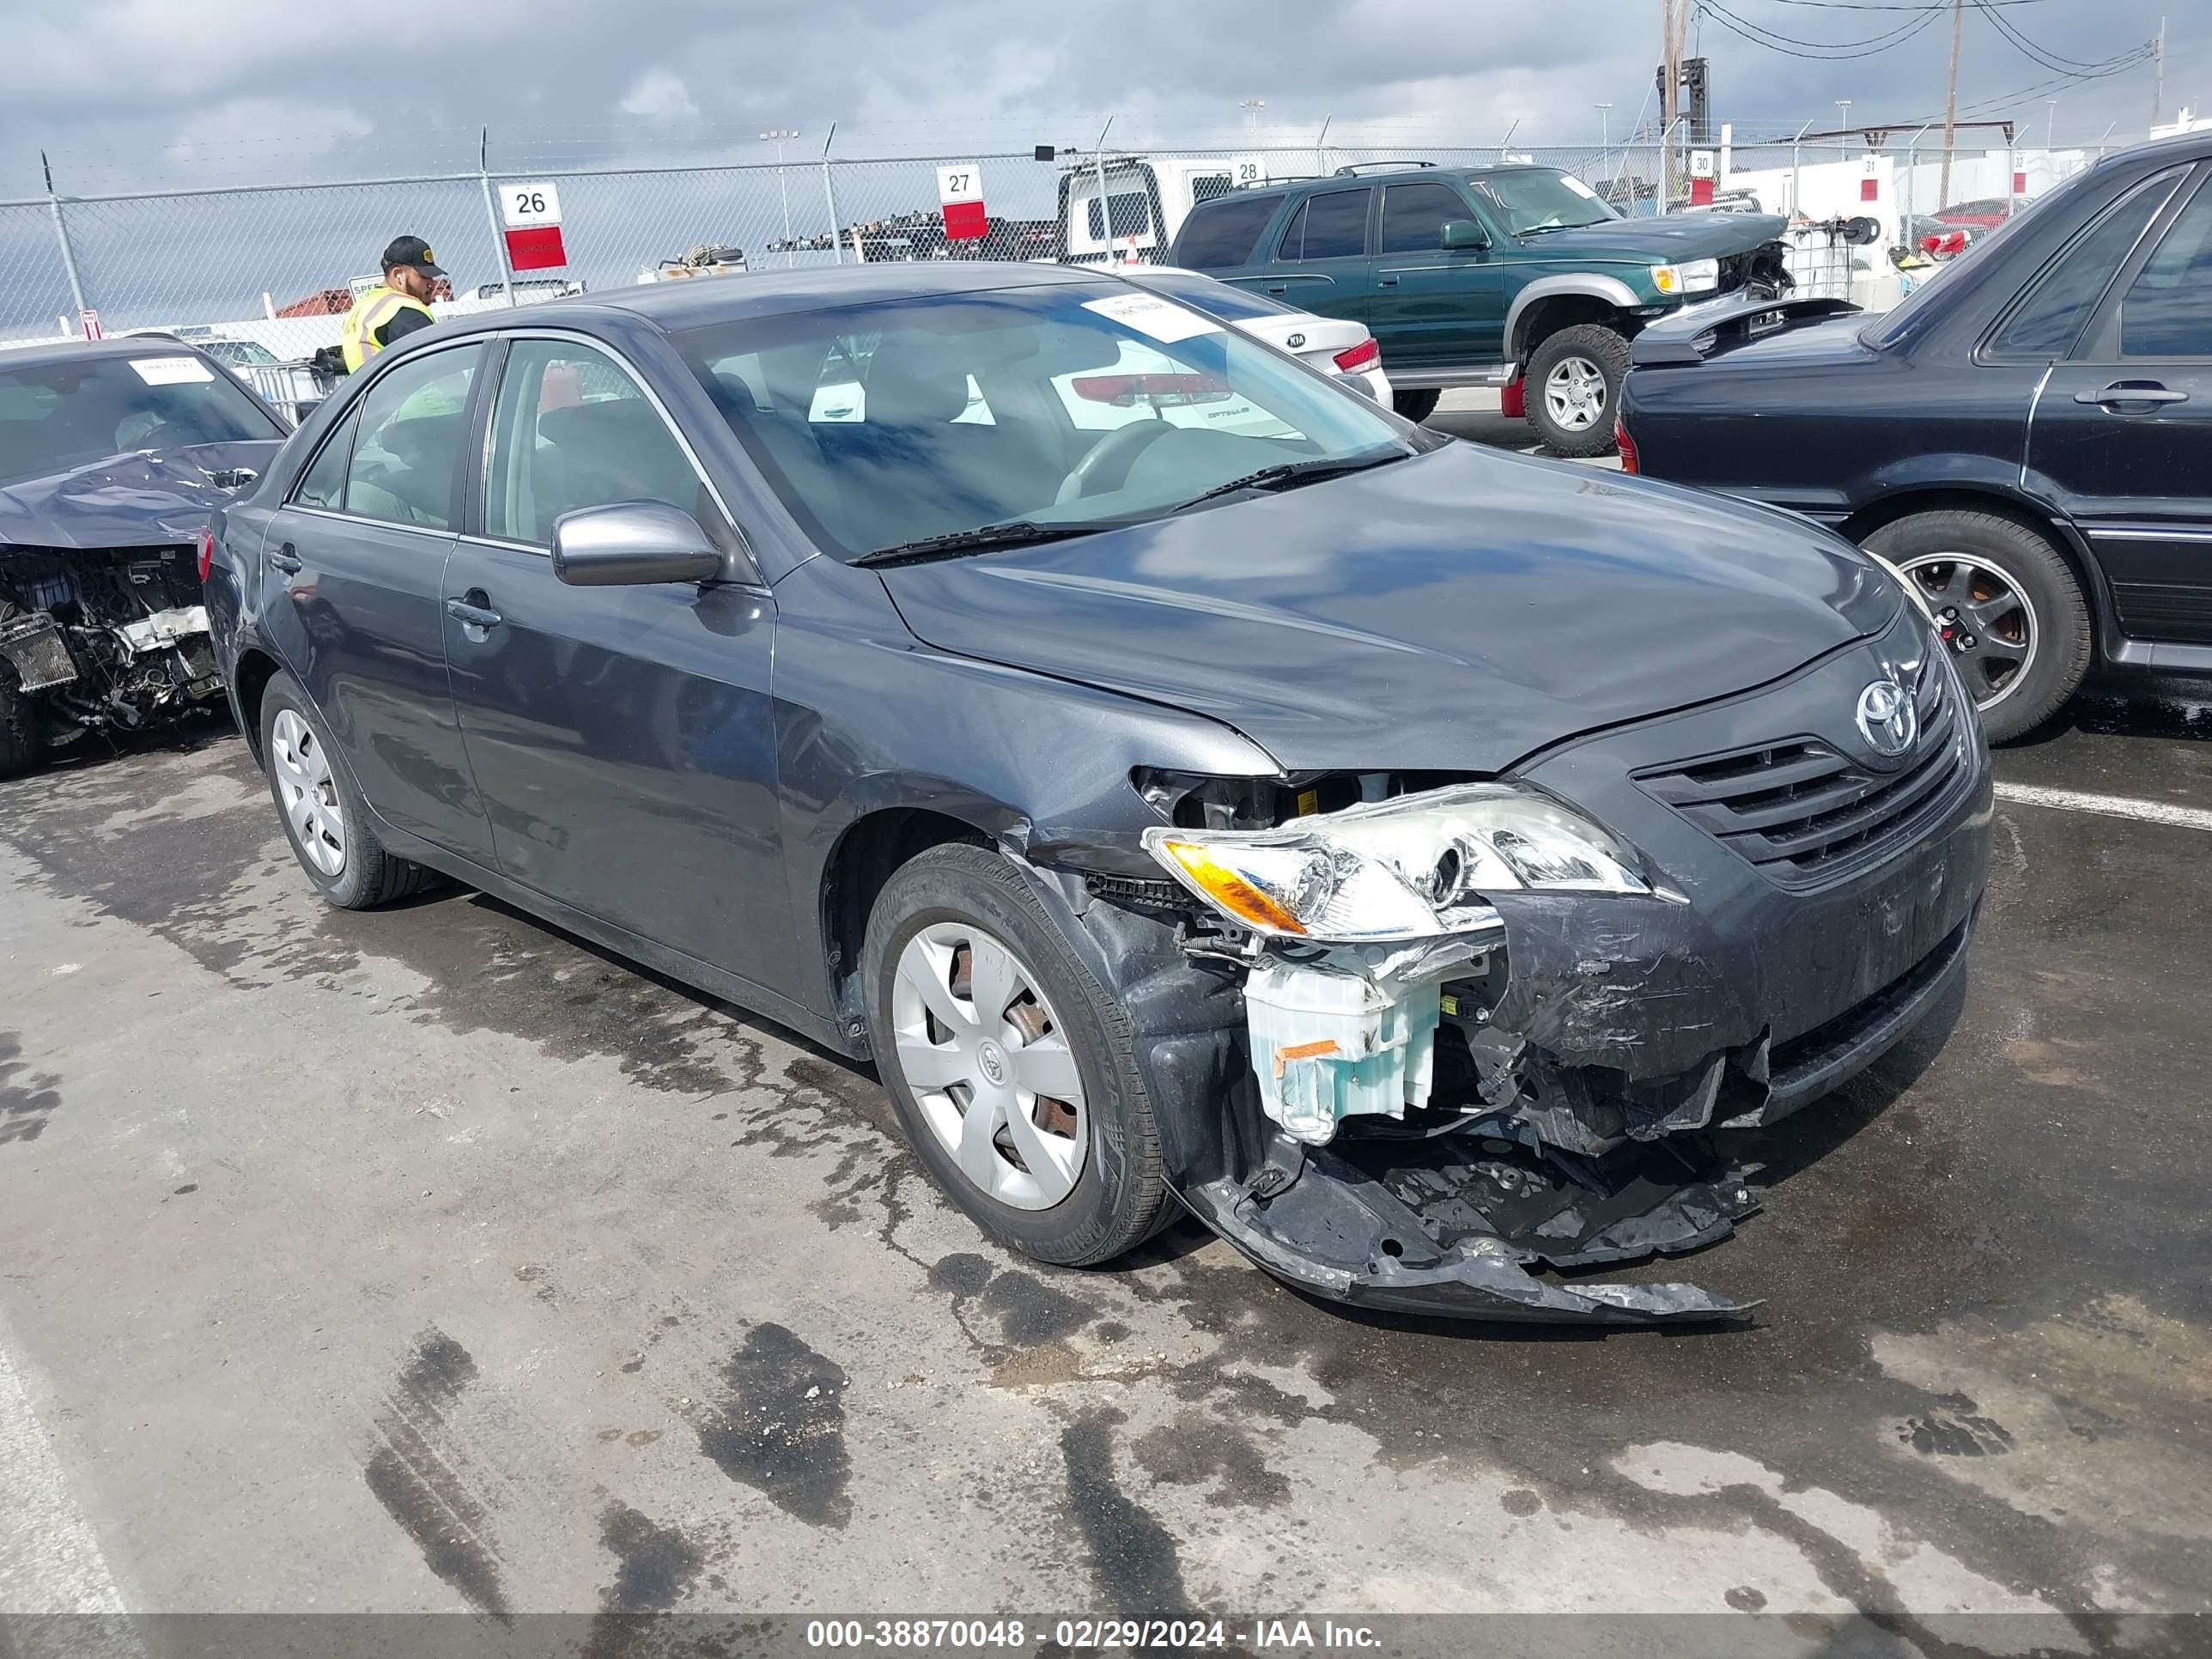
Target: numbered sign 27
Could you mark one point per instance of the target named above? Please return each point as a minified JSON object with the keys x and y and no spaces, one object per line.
{"x":532,"y":215}
{"x":960,"y":192}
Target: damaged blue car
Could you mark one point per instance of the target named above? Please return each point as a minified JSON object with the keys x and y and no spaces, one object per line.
{"x":1193,"y":786}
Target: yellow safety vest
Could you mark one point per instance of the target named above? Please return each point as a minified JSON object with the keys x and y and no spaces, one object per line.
{"x":371,"y":311}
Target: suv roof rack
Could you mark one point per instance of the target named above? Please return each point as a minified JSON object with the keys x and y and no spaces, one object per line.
{"x":1281,"y":178}
{"x":1350,"y":169}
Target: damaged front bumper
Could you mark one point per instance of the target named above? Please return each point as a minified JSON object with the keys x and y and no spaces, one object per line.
{"x":1430,"y":1128}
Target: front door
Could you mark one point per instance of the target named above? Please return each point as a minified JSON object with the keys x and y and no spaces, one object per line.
{"x":2122,"y":434}
{"x":622,"y":737}
{"x":1433,"y":305}
{"x":361,"y":549}
{"x":1322,"y":259}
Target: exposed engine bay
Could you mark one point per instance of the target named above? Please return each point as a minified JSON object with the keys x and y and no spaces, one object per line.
{"x":105,"y":639}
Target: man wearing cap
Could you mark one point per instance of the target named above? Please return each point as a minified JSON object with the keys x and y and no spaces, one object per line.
{"x":396,"y":307}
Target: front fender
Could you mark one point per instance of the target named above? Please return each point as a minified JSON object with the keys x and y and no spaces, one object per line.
{"x":1584,"y":284}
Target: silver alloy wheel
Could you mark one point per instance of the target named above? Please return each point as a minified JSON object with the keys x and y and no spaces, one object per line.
{"x":1574,"y":393}
{"x":1984,"y":615}
{"x":310,"y":794}
{"x":989,"y":1065}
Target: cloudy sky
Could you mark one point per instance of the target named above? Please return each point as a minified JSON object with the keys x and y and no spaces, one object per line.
{"x":122,"y":92}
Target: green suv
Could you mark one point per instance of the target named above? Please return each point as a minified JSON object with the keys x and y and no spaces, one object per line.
{"x":1515,"y":276}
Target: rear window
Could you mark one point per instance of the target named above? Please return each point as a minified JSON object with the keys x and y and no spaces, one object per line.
{"x":2066,"y":293}
{"x":1132,"y":215}
{"x":56,"y":416}
{"x":1224,"y":233}
{"x":1330,"y":225}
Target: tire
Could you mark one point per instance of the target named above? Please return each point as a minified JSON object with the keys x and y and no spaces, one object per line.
{"x":1115,"y":1199}
{"x":20,"y":747}
{"x":1935,"y":550}
{"x":1596,"y":348}
{"x":364,"y":875}
{"x":1416,"y":403}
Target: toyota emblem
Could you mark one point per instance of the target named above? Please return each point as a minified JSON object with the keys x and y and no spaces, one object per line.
{"x":1887,"y":718}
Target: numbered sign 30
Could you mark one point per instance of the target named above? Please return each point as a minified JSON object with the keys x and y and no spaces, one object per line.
{"x":531,"y":213}
{"x":960,"y":190}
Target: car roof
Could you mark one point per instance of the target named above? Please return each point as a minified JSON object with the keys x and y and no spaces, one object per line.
{"x":72,"y":351}
{"x":700,"y":301}
{"x":1399,"y":175}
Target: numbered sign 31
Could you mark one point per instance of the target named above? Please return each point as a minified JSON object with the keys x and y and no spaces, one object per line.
{"x":532,"y":216}
{"x":960,"y":189}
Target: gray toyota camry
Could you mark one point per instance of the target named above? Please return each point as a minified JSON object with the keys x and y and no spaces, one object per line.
{"x":1187,"y":783}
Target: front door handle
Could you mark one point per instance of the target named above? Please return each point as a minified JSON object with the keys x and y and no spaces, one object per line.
{"x":286,"y":560}
{"x":1278,"y":288}
{"x":473,"y":615}
{"x":1388,"y":281}
{"x":2124,"y":392}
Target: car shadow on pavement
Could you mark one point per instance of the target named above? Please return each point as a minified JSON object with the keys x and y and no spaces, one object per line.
{"x":2110,"y":714}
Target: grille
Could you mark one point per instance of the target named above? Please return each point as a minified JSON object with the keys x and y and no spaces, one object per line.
{"x":1803,"y":813}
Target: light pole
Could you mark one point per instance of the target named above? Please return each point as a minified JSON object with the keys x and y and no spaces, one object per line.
{"x":780,"y":137}
{"x":2049,"y":120}
{"x":1252,"y":106}
{"x":1604,"y":134}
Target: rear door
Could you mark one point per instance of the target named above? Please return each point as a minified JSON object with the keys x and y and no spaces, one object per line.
{"x":623,"y":736}
{"x":2123,"y":432}
{"x":361,"y":547}
{"x":1431,"y":305}
{"x":1321,"y":259}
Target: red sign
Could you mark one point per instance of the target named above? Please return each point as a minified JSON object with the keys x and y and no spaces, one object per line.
{"x":964,"y":222}
{"x":1701,"y":192}
{"x":2019,"y":184}
{"x":536,"y":247}
{"x":89,"y":320}
{"x":1869,"y":190}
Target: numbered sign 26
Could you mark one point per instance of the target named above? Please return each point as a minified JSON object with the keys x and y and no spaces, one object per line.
{"x":960,"y":192}
{"x":532,"y":214}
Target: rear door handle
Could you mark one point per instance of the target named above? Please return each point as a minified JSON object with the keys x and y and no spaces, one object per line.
{"x":1389,"y":282}
{"x":1278,"y":288}
{"x":286,"y":560}
{"x":472,"y":616}
{"x":2120,"y":391}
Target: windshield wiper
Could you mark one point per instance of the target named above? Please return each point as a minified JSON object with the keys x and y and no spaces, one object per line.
{"x":1019,"y":532}
{"x":1290,"y":474}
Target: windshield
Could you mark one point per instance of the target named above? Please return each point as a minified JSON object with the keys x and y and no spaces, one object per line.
{"x":1231,"y":305}
{"x":1068,"y":405}
{"x":1898,"y":320}
{"x":1540,"y":198}
{"x":54,"y":417}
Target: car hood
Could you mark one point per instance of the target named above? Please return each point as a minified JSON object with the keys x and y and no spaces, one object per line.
{"x":1668,"y":241}
{"x":151,"y":498}
{"x":1454,"y":611}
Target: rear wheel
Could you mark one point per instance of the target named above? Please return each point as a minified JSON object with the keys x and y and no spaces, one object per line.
{"x":1574,"y":386}
{"x":323,"y":816}
{"x":1010,"y":1069}
{"x":1415,"y":403}
{"x":2006,"y":603}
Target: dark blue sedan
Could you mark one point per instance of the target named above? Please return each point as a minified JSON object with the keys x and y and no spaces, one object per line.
{"x":1184,"y":779}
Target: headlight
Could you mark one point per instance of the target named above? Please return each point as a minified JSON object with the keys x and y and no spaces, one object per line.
{"x":1415,"y":867}
{"x":1689,"y":278}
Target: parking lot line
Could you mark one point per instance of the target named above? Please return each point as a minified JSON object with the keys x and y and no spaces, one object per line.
{"x":50,"y":1560}
{"x":2115,"y":806}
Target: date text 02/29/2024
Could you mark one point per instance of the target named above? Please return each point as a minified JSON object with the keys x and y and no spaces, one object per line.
{"x":1070,"y":1634}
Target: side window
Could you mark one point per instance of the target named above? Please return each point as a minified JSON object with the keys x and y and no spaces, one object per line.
{"x":325,"y":485}
{"x":1223,"y":235}
{"x":413,"y":428}
{"x":1413,"y":215}
{"x":1132,"y":215}
{"x":2168,"y":309}
{"x":1293,"y":243}
{"x":573,"y":430}
{"x":1334,"y":225}
{"x":2061,"y":302}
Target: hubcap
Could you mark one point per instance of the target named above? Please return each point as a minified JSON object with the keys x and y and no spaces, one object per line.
{"x":988,"y":1063}
{"x":1984,"y":618}
{"x":1574,"y":393}
{"x":310,"y":794}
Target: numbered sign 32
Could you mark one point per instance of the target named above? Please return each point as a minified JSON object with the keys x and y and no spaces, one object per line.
{"x":960,"y":190}
{"x":531,"y":213}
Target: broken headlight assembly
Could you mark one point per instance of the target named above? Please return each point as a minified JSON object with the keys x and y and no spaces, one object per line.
{"x":1417,"y":866}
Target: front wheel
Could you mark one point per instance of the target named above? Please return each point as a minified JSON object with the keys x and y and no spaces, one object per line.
{"x":2005,"y":602}
{"x":1574,"y":386}
{"x":1010,"y":1067}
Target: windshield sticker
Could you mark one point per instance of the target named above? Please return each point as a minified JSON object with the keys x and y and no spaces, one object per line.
{"x":171,"y":371}
{"x":1577,"y":185}
{"x":1163,"y":320}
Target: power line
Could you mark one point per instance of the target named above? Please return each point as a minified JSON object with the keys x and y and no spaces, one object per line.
{"x":1820,"y":51}
{"x":1866,"y":5}
{"x":2040,"y":54}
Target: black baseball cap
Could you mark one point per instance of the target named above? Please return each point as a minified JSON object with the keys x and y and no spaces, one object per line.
{"x":413,"y":252}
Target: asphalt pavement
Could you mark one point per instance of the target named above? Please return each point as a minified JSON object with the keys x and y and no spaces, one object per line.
{"x":430,"y":1260}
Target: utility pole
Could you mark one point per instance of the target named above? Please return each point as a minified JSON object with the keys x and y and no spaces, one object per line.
{"x":1950,"y":106}
{"x":2158,"y":74}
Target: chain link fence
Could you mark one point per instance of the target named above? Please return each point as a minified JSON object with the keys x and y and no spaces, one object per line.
{"x":277,"y":265}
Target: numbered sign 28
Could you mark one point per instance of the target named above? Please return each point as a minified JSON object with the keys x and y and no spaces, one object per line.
{"x":960,"y":192}
{"x":531,"y":213}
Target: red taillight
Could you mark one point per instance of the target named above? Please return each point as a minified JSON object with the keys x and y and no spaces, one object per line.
{"x":1626,"y":445}
{"x":1365,"y":355}
{"x":207,"y":552}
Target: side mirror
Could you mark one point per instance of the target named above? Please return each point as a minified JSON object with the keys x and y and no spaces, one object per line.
{"x":1464,"y":233}
{"x":632,"y":544}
